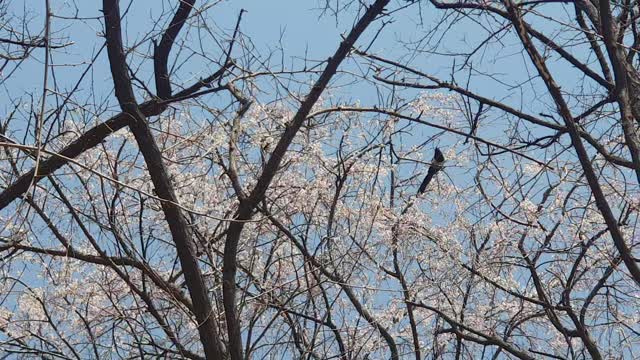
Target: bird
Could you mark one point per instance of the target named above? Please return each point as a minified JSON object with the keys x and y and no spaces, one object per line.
{"x":436,"y":165}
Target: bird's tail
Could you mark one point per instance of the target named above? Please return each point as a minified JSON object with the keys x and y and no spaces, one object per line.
{"x":427,"y":180}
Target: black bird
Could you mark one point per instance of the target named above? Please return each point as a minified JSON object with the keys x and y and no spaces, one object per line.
{"x":436,"y":165}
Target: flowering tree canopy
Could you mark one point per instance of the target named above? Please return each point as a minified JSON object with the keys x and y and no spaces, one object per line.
{"x":172,"y":187}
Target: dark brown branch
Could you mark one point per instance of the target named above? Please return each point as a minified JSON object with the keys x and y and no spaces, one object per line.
{"x":246,"y":208}
{"x":178,"y":226}
{"x":161,"y":51}
{"x":593,"y":42}
{"x":623,"y":83}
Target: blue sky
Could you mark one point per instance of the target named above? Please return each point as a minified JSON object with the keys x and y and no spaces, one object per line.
{"x":296,"y":25}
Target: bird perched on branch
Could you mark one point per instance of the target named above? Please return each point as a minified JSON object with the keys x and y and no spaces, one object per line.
{"x":436,"y":165}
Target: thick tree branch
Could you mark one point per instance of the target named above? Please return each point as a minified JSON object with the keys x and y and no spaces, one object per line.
{"x":623,"y":82}
{"x":247,"y":207}
{"x":583,"y":156}
{"x":178,"y":226}
{"x":161,"y":51}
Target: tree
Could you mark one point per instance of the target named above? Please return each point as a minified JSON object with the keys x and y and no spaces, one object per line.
{"x":213,"y":200}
